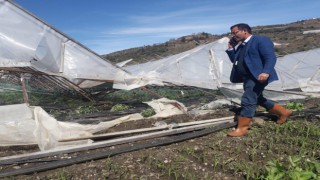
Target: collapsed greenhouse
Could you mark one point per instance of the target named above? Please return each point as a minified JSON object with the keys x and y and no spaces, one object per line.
{"x":45,"y":58}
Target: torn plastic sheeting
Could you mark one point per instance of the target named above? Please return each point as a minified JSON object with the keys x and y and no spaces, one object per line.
{"x":126,"y":81}
{"x":208,"y":66}
{"x":16,"y":125}
{"x":310,"y":85}
{"x":48,"y":50}
{"x":123,"y":63}
{"x":49,"y":131}
{"x":215,"y":104}
{"x":164,"y":107}
{"x":194,"y":67}
{"x":23,"y":125}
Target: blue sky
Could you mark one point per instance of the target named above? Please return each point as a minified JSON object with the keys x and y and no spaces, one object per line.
{"x":107,"y":26}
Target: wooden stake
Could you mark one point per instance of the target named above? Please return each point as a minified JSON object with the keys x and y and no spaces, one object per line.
{"x":24,"y":90}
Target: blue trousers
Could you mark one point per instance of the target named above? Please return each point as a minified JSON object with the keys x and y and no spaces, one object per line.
{"x":253,"y":96}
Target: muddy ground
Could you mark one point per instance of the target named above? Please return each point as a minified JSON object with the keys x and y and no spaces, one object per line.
{"x":214,"y":156}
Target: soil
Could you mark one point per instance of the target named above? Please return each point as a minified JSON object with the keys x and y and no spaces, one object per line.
{"x":214,"y":156}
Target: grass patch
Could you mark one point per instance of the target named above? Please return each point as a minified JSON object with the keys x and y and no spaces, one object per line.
{"x":148,"y":112}
{"x":119,"y":107}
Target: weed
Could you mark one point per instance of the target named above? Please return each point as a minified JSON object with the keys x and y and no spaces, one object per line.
{"x":250,"y":171}
{"x":219,"y":145}
{"x":294,"y":106}
{"x":148,"y":112}
{"x":228,"y":161}
{"x":237,"y":167}
{"x":188,"y":150}
{"x":260,"y":145}
{"x":253,"y":152}
{"x":297,"y":169}
{"x":170,"y":169}
{"x":112,"y":168}
{"x":181,"y":159}
{"x":216,"y":160}
{"x":86,"y":109}
{"x":119,"y":107}
{"x":109,"y":164}
{"x":270,"y":145}
{"x":62,"y":176}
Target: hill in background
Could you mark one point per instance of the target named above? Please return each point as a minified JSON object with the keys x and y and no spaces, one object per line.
{"x":289,"y":38}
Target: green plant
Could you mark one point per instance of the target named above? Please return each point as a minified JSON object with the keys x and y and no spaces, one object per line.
{"x":294,"y":106}
{"x":86,"y":109}
{"x":11,"y":98}
{"x":119,"y":107}
{"x":62,"y":176}
{"x":189,"y":150}
{"x":253,"y":152}
{"x":250,"y":171}
{"x":148,"y":112}
{"x":181,"y":158}
{"x":296,"y":170}
{"x":109,"y":164}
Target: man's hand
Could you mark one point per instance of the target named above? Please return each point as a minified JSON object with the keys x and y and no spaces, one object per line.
{"x":232,"y":43}
{"x":263,"y":77}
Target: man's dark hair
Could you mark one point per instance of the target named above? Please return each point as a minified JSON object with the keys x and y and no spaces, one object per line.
{"x":242,"y":26}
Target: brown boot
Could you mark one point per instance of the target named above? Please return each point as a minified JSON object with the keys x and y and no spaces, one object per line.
{"x":282,"y":112}
{"x":242,"y":129}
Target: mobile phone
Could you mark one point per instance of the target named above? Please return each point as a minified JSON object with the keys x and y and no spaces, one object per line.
{"x":233,"y":41}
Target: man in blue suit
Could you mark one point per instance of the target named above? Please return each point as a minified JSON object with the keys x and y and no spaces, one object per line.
{"x":253,"y":61}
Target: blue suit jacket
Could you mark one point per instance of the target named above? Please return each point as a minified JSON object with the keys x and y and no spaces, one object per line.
{"x":259,"y":58}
